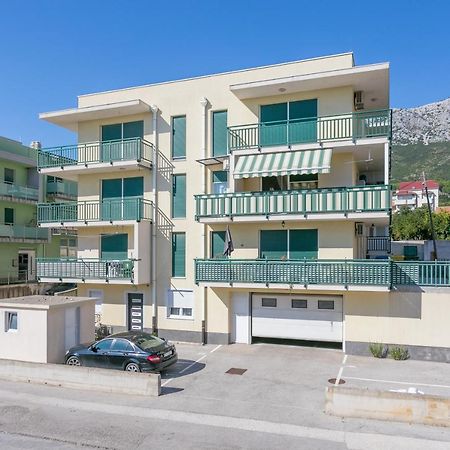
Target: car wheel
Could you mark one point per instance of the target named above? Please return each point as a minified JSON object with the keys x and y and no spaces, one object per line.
{"x":73,"y":361}
{"x":132,"y":367}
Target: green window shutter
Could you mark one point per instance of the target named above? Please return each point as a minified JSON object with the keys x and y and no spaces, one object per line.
{"x":274,"y":113}
{"x":133,"y":129}
{"x":112,"y":188}
{"x":217,"y":244}
{"x":8,"y":176}
{"x":273,"y":244}
{"x":111,"y":208}
{"x":303,"y":121}
{"x":133,"y":187}
{"x":303,"y":244}
{"x":179,"y":137}
{"x":178,"y":196}
{"x":219,"y":133}
{"x":114,"y":246}
{"x":273,"y":125}
{"x":303,"y":109}
{"x":178,"y":254}
{"x":9,"y":216}
{"x":112,"y":132}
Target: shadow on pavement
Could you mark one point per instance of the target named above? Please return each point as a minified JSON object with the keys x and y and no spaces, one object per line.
{"x":182,"y":368}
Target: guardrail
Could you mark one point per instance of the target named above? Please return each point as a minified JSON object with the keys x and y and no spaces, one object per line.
{"x":133,"y":208}
{"x":378,"y":244}
{"x":306,"y":201}
{"x":84,"y":269}
{"x":323,"y":272}
{"x":354,"y":125}
{"x":64,"y":188}
{"x":23,"y":232}
{"x":20,"y":192}
{"x":133,"y":149}
{"x":15,"y":277}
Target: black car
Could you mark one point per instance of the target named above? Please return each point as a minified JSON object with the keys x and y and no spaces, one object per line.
{"x":133,"y":351}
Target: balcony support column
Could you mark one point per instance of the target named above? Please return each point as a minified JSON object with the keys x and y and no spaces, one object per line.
{"x":154,"y":225}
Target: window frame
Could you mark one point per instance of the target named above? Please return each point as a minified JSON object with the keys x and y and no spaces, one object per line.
{"x":323,"y":302}
{"x":12,"y":172}
{"x":182,"y":308}
{"x":269,"y":306}
{"x":172,"y":140}
{"x":8,"y":321}
{"x":13,"y":216}
{"x":304,"y":302}
{"x":173,"y":192}
{"x":213,"y":115}
{"x":172,"y":255}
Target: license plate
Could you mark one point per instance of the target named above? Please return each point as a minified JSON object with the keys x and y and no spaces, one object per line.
{"x":167,"y":354}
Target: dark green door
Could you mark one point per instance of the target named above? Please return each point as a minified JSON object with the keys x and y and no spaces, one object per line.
{"x":133,"y":190}
{"x":111,"y":142}
{"x":303,"y":244}
{"x":273,"y":125}
{"x":273,"y":244}
{"x":303,"y":121}
{"x":111,"y":205}
{"x":217,"y":244}
{"x":114,"y":246}
{"x":131,"y":147}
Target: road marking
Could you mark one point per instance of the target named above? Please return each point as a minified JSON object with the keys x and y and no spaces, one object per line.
{"x":193,"y":364}
{"x":353,"y":440}
{"x":216,"y":348}
{"x":412,"y":383}
{"x":166,"y":382}
{"x":341,"y":370}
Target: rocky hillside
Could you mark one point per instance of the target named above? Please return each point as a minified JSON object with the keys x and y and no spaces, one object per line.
{"x":422,"y":125}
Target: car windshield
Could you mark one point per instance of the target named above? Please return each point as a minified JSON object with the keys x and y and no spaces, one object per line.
{"x":147,"y":341}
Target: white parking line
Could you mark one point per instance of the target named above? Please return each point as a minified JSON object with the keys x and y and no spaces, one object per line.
{"x":193,"y":364}
{"x":215,"y":348}
{"x":341,"y":370}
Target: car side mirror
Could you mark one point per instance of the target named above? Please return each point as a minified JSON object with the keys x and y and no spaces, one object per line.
{"x":94,"y":348}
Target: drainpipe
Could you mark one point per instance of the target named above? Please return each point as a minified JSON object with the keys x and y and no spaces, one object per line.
{"x":204,"y":104}
{"x":154,"y":224}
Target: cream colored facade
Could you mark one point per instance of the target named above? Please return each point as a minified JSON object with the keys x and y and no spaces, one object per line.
{"x":356,"y":160}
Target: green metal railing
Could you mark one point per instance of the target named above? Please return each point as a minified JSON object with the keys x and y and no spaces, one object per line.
{"x":306,"y":201}
{"x":133,"y":149}
{"x":23,"y":232}
{"x":323,"y":272}
{"x":84,"y":269}
{"x":355,"y":125}
{"x":19,"y":192}
{"x":62,"y":188}
{"x":132,"y":208}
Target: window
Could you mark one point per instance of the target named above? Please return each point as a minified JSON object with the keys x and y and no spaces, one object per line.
{"x":114,"y":246}
{"x":104,"y":345}
{"x":219,"y":133}
{"x":178,"y":196}
{"x":10,"y":321}
{"x":179,"y":255}
{"x":8,"y":175}
{"x":118,"y":131}
{"x":288,"y":244}
{"x":119,"y":198}
{"x":325,"y":304}
{"x":121,"y":345}
{"x":68,"y":247}
{"x":299,"y":303}
{"x":179,"y":137}
{"x":269,"y":302}
{"x":9,"y":216}
{"x":180,"y":304}
{"x":219,"y":181}
{"x":217,"y":244}
{"x":307,"y":181}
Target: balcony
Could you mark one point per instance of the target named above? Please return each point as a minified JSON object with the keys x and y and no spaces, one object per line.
{"x":350,"y":126}
{"x":96,"y":156}
{"x":22,"y":233}
{"x":318,"y":204}
{"x":133,"y":209}
{"x":380,"y":244}
{"x":321,"y":274}
{"x":62,"y":189}
{"x":18,"y":193}
{"x":84,"y":270}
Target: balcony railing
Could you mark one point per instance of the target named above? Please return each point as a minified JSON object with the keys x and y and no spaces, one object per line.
{"x":307,"y":201}
{"x":356,"y":125}
{"x":323,"y":272}
{"x":16,"y":277}
{"x":378,"y":244}
{"x":117,"y":209}
{"x":63,"y":189}
{"x":134,"y":149}
{"x":84,"y":269}
{"x":19,"y":192}
{"x":23,"y":232}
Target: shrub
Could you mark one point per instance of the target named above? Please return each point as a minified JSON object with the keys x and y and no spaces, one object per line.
{"x":399,"y":353}
{"x":378,"y":350}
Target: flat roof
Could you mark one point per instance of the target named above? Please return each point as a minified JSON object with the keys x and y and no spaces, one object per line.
{"x":42,"y":301}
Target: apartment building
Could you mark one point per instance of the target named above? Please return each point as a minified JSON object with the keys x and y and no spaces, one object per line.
{"x":290,"y":162}
{"x":412,"y":195}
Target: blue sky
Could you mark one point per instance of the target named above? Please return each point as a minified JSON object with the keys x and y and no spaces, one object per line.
{"x":53,"y":50}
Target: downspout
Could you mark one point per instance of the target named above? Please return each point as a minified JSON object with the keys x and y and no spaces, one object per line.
{"x":154,"y":224}
{"x":204,"y":104}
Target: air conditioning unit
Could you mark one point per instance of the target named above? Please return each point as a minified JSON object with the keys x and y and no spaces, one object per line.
{"x":226,"y":164}
{"x":358,"y":100}
{"x":359,"y":229}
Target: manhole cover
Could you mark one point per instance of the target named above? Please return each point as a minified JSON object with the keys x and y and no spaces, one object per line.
{"x":235,"y":371}
{"x":333,"y":381}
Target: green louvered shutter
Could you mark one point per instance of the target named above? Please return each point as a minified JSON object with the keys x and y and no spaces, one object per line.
{"x":111,"y":199}
{"x":303,"y":121}
{"x":111,"y":151}
{"x":9,"y":216}
{"x":179,"y":137}
{"x":133,"y":190}
{"x":133,"y":129}
{"x":220,"y":133}
{"x":273,"y":244}
{"x":114,"y":246}
{"x":217,"y":244}
{"x":178,"y":254}
{"x":178,"y":196}
{"x":273,"y":124}
{"x":303,"y":244}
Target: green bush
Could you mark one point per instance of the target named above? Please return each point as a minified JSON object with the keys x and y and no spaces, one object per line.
{"x":378,"y":350}
{"x":399,"y":353}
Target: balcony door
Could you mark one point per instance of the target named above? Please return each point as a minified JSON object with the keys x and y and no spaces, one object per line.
{"x":288,"y":244}
{"x":113,"y":147}
{"x":114,"y":246}
{"x":121,"y":198}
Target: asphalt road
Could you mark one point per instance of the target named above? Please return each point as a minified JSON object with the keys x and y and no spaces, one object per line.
{"x":275,"y":405}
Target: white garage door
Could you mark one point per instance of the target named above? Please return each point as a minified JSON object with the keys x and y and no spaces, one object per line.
{"x":306,"y":317}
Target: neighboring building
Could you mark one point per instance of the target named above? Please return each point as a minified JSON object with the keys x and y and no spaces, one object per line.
{"x":292,"y":158}
{"x":41,"y":329}
{"x":411,"y":194}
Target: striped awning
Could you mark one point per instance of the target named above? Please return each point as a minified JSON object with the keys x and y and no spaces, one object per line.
{"x":283,"y":163}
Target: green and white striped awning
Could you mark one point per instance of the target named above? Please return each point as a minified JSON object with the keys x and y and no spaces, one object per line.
{"x":283,"y":163}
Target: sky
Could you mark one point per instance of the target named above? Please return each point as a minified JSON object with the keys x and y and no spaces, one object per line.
{"x":53,"y":50}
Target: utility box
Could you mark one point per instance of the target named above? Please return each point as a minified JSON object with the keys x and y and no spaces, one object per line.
{"x":40,"y":328}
